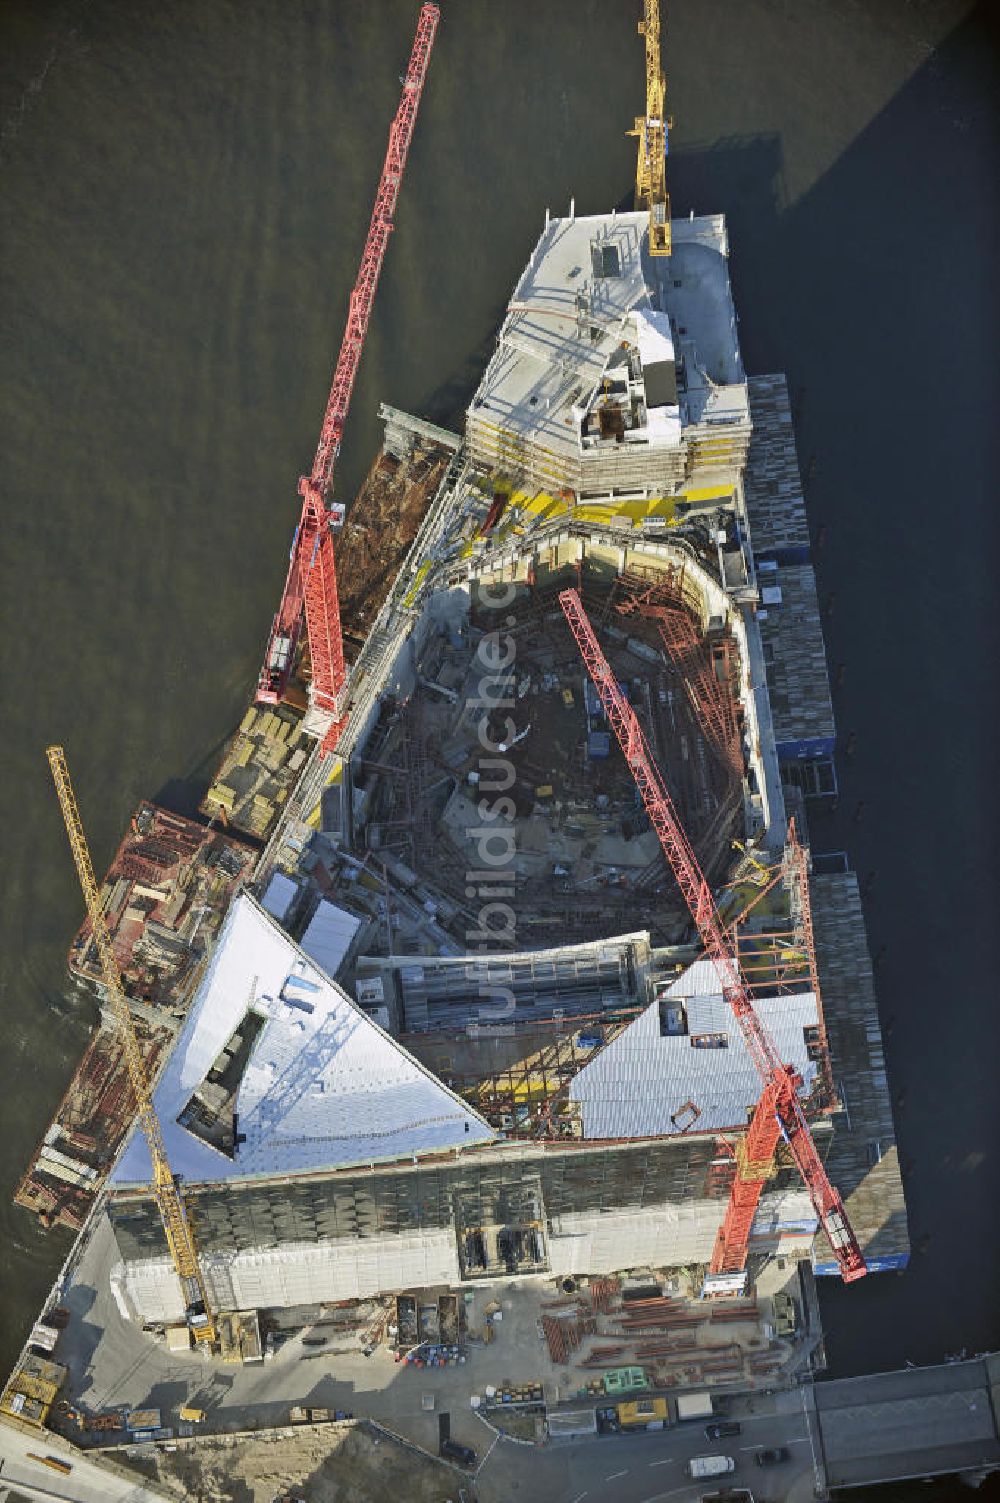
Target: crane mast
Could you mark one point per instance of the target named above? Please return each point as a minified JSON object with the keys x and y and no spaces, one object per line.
{"x":176,"y":1220}
{"x":311,"y":585}
{"x":779,"y":1112}
{"x":652,"y":130}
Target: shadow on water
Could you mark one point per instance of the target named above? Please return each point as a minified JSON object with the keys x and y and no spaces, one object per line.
{"x":447,"y":403}
{"x":882,"y":283}
{"x":178,"y":280}
{"x":875,"y":292}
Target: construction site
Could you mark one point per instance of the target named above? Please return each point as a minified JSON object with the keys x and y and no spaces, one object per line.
{"x":163,"y":898}
{"x":497,"y":1022}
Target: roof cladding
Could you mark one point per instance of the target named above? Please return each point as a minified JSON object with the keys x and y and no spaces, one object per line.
{"x":324,"y":1087}
{"x":693,"y":1072}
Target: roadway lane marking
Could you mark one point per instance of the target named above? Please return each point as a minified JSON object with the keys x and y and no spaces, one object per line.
{"x":760,"y":1445}
{"x":616,"y":1474}
{"x":579,"y":1498}
{"x":793,"y":1440}
{"x":666,"y":1462}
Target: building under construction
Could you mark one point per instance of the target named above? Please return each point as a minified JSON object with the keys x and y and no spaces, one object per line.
{"x":512,"y":1055}
{"x":534,"y":976}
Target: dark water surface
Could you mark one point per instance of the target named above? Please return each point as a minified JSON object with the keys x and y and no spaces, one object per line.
{"x":186,"y":188}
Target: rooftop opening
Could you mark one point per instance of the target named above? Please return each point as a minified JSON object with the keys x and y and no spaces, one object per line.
{"x":607,"y":261}
{"x":209,"y":1113}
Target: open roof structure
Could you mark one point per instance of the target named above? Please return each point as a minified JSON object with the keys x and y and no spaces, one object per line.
{"x":302,"y":1077}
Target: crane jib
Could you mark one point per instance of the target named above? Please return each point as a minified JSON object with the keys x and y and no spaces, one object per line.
{"x":173,"y":1213}
{"x":684,"y":864}
{"x":320,"y":606}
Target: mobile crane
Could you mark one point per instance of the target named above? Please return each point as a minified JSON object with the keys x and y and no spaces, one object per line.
{"x":779,"y":1114}
{"x":177,"y":1223}
{"x":311,"y":584}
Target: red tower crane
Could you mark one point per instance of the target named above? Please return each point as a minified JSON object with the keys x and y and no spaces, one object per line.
{"x":311,"y":585}
{"x":779,"y":1112}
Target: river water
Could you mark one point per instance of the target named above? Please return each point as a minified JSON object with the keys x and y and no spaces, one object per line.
{"x":187,"y":187}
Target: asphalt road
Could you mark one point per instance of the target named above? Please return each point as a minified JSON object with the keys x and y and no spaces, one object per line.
{"x":648,"y":1467}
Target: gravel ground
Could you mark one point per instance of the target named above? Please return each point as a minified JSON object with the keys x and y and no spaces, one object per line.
{"x":319,"y":1464}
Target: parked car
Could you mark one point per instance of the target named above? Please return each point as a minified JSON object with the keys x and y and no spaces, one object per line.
{"x":726,"y":1427}
{"x":454,"y":1452}
{"x":771,"y":1455}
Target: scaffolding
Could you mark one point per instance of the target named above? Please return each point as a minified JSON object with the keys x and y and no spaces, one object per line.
{"x":529,"y":1099}
{"x":706,"y":665}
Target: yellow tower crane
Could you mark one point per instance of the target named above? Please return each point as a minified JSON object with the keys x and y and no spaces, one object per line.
{"x":651,"y":128}
{"x":176,"y":1219}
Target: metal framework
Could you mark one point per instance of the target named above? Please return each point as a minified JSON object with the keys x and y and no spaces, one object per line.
{"x":779,"y":1112}
{"x":651,"y":129}
{"x":311,"y":585}
{"x":527,"y":1100}
{"x":176,"y":1220}
{"x":710,"y":696}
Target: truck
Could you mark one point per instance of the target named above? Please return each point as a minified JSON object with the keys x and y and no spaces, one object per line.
{"x":710,"y":1466}
{"x":694,"y":1406}
{"x":643,"y":1414}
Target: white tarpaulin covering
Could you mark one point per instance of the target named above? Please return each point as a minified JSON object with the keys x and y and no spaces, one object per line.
{"x":664,"y":424}
{"x":325,"y":1087}
{"x":656,"y":347}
